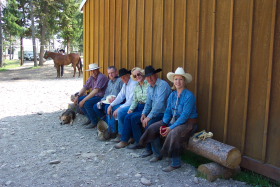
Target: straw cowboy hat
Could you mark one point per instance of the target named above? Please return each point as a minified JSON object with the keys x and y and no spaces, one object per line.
{"x":137,"y":69}
{"x":179,"y":71}
{"x":108,"y":98}
{"x":123,"y":72}
{"x":93,"y":67}
{"x":150,"y":70}
{"x":102,"y":130}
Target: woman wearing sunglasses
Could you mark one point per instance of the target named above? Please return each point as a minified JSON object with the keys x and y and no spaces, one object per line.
{"x":132,"y":123}
{"x":178,"y":123}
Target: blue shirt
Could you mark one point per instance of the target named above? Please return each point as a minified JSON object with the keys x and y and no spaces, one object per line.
{"x":186,"y":108}
{"x":157,"y":99}
{"x":114,"y":87}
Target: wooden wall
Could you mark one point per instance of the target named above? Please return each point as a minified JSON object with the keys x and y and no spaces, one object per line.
{"x":231,"y":47}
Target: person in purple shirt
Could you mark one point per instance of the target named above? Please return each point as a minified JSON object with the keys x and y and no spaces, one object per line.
{"x":98,"y":83}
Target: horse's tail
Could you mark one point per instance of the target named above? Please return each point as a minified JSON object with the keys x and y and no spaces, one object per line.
{"x":80,"y":64}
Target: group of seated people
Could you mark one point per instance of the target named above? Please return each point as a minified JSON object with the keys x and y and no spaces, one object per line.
{"x":140,"y":107}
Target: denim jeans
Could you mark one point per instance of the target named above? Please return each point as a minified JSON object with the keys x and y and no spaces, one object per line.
{"x":101,"y":113}
{"x":122,"y":112}
{"x":112,"y":123}
{"x":132,"y":125}
{"x":153,"y":120}
{"x":88,"y":108}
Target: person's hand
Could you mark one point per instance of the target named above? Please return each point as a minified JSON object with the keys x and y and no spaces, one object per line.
{"x":82,"y":102}
{"x":115,"y":114}
{"x":165,"y":133}
{"x":129,"y":112}
{"x":145,"y":122}
{"x":109,"y":110}
{"x":143,"y":117}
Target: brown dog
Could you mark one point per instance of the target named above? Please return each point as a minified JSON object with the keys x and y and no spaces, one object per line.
{"x":67,"y":117}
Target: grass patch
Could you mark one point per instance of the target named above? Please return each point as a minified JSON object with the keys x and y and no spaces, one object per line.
{"x":10,"y":64}
{"x":247,"y":176}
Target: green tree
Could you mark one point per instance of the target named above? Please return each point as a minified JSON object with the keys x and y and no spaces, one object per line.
{"x":13,"y":25}
{"x":70,"y":23}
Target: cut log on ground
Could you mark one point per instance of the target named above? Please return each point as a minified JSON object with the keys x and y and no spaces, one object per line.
{"x":216,"y":151}
{"x":213,"y":171}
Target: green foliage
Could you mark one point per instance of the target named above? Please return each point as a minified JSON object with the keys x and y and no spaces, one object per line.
{"x":70,"y":22}
{"x":10,"y":64}
{"x":255,"y":179}
{"x":13,"y":24}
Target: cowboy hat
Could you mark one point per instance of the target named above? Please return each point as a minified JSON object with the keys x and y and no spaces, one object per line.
{"x":150,"y":70}
{"x":102,"y":130}
{"x":93,"y":67}
{"x":123,"y":72}
{"x":108,"y":98}
{"x":179,"y":71}
{"x":137,"y":69}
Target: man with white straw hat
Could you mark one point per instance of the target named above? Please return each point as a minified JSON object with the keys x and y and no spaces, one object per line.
{"x":98,"y":83}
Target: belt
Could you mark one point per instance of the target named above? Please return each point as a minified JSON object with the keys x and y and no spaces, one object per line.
{"x":140,"y":102}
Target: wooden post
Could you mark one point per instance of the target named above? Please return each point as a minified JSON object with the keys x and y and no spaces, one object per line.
{"x":212,"y":171}
{"x":221,"y":153}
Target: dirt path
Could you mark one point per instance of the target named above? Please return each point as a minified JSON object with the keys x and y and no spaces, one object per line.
{"x":37,"y":151}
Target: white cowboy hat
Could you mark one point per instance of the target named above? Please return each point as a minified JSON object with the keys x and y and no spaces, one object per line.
{"x":109,"y":97}
{"x":93,"y":67}
{"x":179,"y":71}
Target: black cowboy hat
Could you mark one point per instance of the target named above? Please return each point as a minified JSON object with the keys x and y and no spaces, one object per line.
{"x":123,"y":72}
{"x":150,"y":70}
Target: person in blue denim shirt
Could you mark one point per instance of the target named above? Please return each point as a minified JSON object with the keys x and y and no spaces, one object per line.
{"x":178,"y":124}
{"x":155,"y":106}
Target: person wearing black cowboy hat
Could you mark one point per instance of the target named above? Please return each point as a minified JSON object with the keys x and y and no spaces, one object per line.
{"x":156,"y":104}
{"x":117,"y":110}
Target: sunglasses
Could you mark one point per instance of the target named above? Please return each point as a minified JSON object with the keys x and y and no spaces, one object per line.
{"x":137,"y":75}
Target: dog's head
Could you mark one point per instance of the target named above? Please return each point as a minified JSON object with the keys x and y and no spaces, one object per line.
{"x":65,"y":119}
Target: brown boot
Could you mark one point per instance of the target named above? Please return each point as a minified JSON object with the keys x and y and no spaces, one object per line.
{"x":121,"y":145}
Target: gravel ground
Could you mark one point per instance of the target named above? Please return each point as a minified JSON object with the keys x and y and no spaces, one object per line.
{"x":37,"y":151}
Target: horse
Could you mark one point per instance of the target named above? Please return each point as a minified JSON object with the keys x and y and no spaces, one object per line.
{"x":60,"y":60}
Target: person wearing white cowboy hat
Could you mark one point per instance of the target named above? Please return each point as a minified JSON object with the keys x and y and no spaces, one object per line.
{"x":114,"y":86}
{"x":157,"y":95}
{"x":97,"y":82}
{"x":180,"y":117}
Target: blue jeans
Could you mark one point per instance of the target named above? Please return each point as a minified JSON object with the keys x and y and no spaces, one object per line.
{"x":153,"y":120}
{"x":122,"y":112}
{"x":132,"y":125}
{"x":101,"y":113}
{"x":112,"y":123}
{"x":88,"y":108}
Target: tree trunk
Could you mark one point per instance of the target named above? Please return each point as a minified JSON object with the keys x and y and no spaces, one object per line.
{"x":1,"y":37}
{"x":68,"y":47}
{"x":21,"y":51}
{"x":221,"y":153}
{"x":33,"y":35}
{"x":212,"y":171}
{"x":43,"y":43}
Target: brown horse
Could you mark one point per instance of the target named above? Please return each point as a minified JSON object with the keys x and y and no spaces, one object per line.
{"x":60,"y":60}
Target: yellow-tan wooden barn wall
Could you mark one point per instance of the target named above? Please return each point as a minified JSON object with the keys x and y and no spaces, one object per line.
{"x":231,"y":47}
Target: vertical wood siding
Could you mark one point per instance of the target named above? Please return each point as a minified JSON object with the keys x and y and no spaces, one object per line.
{"x":231,"y":47}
